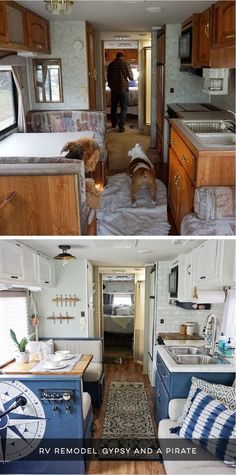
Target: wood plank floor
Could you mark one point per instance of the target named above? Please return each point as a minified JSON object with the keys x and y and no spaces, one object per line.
{"x":127,"y":371}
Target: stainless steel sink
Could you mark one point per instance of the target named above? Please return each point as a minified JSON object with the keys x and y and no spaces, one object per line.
{"x":209,"y":126}
{"x":182,"y":350}
{"x":219,"y":140}
{"x":194,"y":355}
{"x":195,"y":359}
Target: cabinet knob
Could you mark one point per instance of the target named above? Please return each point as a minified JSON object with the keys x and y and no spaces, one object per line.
{"x":177,"y":181}
{"x":206,"y":30}
{"x":14,"y":277}
{"x":202,"y":277}
{"x":185,"y":160}
{"x":173,"y":142}
{"x":188,"y":269}
{"x":230,"y":36}
{"x":46,"y":282}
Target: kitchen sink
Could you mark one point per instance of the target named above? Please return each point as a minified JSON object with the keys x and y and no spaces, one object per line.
{"x":219,"y":140}
{"x":193,"y":355}
{"x":195,"y":359}
{"x":182,"y":350}
{"x":210,"y":126}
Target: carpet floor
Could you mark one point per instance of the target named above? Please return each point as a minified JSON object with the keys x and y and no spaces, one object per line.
{"x":128,"y":421}
{"x":118,"y":145}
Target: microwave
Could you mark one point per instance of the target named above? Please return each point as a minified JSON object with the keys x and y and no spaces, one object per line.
{"x":185,"y":46}
{"x":173,"y":282}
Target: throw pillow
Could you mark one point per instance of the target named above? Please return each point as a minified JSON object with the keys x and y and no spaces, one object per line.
{"x":224,"y":394}
{"x":211,"y":425}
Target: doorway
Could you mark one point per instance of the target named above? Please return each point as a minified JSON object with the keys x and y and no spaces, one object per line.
{"x":118,"y":314}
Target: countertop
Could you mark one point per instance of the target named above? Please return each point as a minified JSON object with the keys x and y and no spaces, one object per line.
{"x":174,"y":367}
{"x":178,"y":336}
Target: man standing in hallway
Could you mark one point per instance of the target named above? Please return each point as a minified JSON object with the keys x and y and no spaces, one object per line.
{"x":118,"y":74}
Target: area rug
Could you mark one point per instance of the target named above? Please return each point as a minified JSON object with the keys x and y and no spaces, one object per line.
{"x":117,"y":217}
{"x":128,"y":423}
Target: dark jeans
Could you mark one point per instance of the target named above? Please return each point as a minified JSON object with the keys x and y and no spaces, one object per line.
{"x":119,"y":98}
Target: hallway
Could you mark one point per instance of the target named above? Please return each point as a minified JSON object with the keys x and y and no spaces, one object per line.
{"x":127,"y":371}
{"x":118,"y":145}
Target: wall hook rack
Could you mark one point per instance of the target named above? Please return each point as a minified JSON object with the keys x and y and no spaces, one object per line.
{"x":67,"y":300}
{"x":60,"y":317}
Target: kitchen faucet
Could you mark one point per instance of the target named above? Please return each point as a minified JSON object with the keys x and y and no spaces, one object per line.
{"x":210,"y":334}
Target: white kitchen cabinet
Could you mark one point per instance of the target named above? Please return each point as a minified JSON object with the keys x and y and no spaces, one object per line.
{"x":185,"y":277}
{"x":214,"y":264}
{"x":46,"y":275}
{"x":30,"y":266}
{"x":11,"y":262}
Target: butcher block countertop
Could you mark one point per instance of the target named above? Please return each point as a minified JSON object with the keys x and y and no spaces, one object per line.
{"x":178,"y":336}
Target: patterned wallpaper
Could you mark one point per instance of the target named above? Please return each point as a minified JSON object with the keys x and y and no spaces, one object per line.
{"x":68,"y":42}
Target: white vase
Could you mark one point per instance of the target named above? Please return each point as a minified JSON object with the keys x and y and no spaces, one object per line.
{"x":22,"y":357}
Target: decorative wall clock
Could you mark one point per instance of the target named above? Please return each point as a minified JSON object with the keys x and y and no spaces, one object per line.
{"x":22,"y":421}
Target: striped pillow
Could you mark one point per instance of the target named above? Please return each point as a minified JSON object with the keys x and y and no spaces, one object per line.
{"x":212,"y":426}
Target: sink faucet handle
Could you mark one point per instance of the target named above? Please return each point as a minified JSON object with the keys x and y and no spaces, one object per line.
{"x":232,"y":112}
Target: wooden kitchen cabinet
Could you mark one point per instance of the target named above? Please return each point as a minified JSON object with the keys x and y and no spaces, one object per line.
{"x":3,"y":23}
{"x":224,"y":24}
{"x":131,"y":55}
{"x":16,"y":24}
{"x":180,"y":191}
{"x":204,"y":42}
{"x":191,"y":168}
{"x":38,"y":33}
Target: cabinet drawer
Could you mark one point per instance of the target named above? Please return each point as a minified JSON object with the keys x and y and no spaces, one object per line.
{"x":185,"y":156}
{"x":163,"y":373}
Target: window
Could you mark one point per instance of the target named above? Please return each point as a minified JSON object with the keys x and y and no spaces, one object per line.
{"x":48,"y":80}
{"x":122,"y":299}
{"x":13,"y":314}
{"x":8,"y":102}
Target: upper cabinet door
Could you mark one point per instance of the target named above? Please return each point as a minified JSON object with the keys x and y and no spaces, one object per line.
{"x":16,"y":22}
{"x":30,"y":266}
{"x":46,"y":271}
{"x":11,"y":262}
{"x":3,"y":23}
{"x":204,"y":38}
{"x":224,"y":24}
{"x":206,"y":262}
{"x":38,"y":33}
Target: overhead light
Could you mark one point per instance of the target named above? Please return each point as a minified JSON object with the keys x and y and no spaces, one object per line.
{"x":59,"y":7}
{"x":122,"y":37}
{"x":144,"y":251}
{"x":64,"y":256}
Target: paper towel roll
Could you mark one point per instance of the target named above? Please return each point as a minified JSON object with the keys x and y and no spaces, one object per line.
{"x":209,"y":296}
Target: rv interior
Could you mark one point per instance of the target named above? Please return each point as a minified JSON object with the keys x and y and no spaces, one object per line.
{"x":130,"y":349}
{"x":54,"y":58}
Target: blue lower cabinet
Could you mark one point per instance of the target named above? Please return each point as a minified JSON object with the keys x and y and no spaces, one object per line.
{"x":43,"y":431}
{"x":161,"y":399}
{"x":170,"y":385}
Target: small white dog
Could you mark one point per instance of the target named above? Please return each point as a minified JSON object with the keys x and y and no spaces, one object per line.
{"x":142,"y":173}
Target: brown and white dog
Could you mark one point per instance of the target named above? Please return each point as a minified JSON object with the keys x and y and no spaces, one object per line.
{"x":142,"y":173}
{"x":83,"y":149}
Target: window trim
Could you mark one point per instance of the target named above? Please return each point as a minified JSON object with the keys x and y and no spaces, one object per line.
{"x":7,"y":130}
{"x":48,"y":62}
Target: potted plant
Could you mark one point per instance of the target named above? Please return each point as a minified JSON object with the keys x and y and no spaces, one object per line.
{"x":22,"y":355}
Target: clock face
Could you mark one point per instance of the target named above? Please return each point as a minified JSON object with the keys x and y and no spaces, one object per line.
{"x":22,"y":429}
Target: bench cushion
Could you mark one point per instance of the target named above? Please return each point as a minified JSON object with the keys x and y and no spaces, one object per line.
{"x":93,"y":372}
{"x":86,"y":404}
{"x":93,"y":347}
{"x":193,"y":226}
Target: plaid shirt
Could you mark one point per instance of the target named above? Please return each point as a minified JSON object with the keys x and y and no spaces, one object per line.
{"x":118,"y":73}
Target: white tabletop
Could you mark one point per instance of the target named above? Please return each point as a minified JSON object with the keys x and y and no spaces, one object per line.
{"x":39,"y":144}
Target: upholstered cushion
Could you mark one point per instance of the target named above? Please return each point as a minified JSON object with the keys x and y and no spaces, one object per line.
{"x":86,"y":404}
{"x":224,"y":394}
{"x":93,"y":372}
{"x":215,"y":202}
{"x":193,"y":226}
{"x":174,"y":466}
{"x":86,"y":346}
{"x":212,"y":426}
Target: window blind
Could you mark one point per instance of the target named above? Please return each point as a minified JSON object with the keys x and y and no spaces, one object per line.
{"x":13,"y":314}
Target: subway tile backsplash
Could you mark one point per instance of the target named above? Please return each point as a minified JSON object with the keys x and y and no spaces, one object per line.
{"x":175,"y":316}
